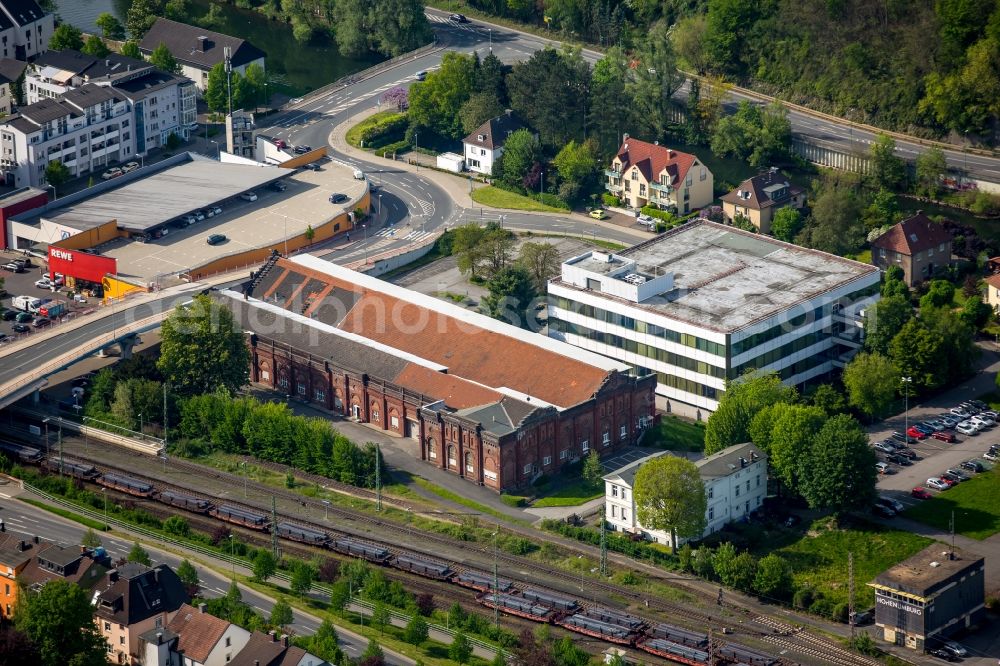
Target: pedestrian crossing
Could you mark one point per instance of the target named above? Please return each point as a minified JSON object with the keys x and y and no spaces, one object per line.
{"x":413,"y":236}
{"x":468,"y":27}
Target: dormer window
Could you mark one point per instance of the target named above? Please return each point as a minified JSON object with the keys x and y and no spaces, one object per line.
{"x":481,"y":137}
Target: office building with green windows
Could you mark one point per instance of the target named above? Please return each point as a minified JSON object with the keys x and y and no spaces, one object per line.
{"x":706,"y":302}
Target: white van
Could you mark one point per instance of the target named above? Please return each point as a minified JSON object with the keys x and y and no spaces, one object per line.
{"x":27,"y":303}
{"x":359,"y":174}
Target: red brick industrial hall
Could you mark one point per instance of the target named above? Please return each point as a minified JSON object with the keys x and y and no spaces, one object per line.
{"x":490,"y":402}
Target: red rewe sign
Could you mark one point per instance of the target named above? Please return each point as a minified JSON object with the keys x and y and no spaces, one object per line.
{"x":81,"y":265}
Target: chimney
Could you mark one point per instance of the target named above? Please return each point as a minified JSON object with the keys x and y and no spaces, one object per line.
{"x":656,"y":143}
{"x":743,"y":461}
{"x":284,"y":639}
{"x":920,"y":212}
{"x":36,"y":539}
{"x":202,"y":608}
{"x":202,"y":43}
{"x":509,"y":112}
{"x":113,"y":575}
{"x":159,"y":638}
{"x":274,"y":636}
{"x":83,"y":549}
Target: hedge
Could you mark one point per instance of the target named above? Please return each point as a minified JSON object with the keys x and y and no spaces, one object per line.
{"x":388,"y":127}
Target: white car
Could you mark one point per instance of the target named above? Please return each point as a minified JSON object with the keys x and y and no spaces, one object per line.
{"x":192,"y":127}
{"x":984,"y":421}
{"x":992,"y":457}
{"x":248,"y":196}
{"x":883,"y":468}
{"x":967,"y":428}
{"x":44,"y":283}
{"x":111,"y":173}
{"x":936,"y":484}
{"x":961,"y":412}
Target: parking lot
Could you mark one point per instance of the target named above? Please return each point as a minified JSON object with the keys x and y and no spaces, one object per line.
{"x":273,"y":217}
{"x":23,"y":284}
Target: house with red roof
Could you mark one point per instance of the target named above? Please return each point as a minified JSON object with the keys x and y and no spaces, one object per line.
{"x":648,"y":174}
{"x":918,"y":245}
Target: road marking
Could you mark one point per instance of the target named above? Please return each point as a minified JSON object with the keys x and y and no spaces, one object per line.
{"x":4,"y":495}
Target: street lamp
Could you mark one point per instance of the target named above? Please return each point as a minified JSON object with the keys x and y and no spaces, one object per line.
{"x":364,"y":226}
{"x":326,"y":509}
{"x":218,"y":147}
{"x":491,"y":39}
{"x":140,"y":424}
{"x":45,"y":422}
{"x":379,"y":204}
{"x":906,"y":407}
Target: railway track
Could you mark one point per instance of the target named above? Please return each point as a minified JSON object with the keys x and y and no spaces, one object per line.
{"x":789,"y":638}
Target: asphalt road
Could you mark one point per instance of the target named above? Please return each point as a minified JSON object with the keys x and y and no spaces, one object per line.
{"x":21,"y":517}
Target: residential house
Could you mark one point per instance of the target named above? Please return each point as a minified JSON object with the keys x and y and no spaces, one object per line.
{"x":198,"y":50}
{"x":163,"y":103}
{"x":993,"y":291}
{"x":132,"y":600}
{"x":193,"y":637}
{"x":11,"y":71}
{"x":25,"y":29}
{"x":270,"y":650}
{"x":759,"y":198}
{"x":485,"y":146}
{"x":735,"y":484}
{"x":648,"y":174}
{"x":28,"y":561}
{"x":86,"y":129}
{"x":918,"y":245}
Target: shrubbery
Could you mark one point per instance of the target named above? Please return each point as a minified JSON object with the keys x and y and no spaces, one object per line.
{"x":384,"y":129}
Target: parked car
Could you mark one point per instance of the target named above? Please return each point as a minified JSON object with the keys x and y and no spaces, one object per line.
{"x":971,"y":407}
{"x":955,"y":648}
{"x":189,"y":219}
{"x":216,"y":239}
{"x":946,"y":437}
{"x":900,"y":437}
{"x":992,"y":413}
{"x":647,"y":221}
{"x":973,"y":466}
{"x":885,"y":447}
{"x":312,"y":166}
{"x":207,"y":212}
{"x":883,"y":468}
{"x":191,"y":127}
{"x":937,"y":484}
{"x":8,"y":315}
{"x":941,"y":653}
{"x":216,"y":210}
{"x":947,"y":481}
{"x":992,"y":456}
{"x":920,"y":493}
{"x":44,"y":283}
{"x":458,"y":18}
{"x":897,"y":459}
{"x":949,"y":420}
{"x":883,"y":511}
{"x":249,"y":196}
{"x":131,"y":166}
{"x":278,"y":186}
{"x":893,"y":504}
{"x":981,"y":405}
{"x":41,"y":322}
{"x":13,"y":267}
{"x":20,"y":328}
{"x":967,"y":428}
{"x":302,"y":150}
{"x":955,"y":475}
{"x":198,"y":215}
{"x":599,"y":214}
{"x":23,"y":317}
{"x":926,"y":429}
{"x":906,"y":452}
{"x":931,"y":425}
{"x":111,"y":173}
{"x":983,"y":420}
{"x":338,"y":198}
{"x":961,"y":412}
{"x":916,"y":433}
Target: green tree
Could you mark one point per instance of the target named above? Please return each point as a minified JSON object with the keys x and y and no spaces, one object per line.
{"x":380,"y":617}
{"x":884,"y":320}
{"x":416,"y":630}
{"x":479,"y":108}
{"x":111,"y":27}
{"x":577,"y":165}
{"x":931,"y":166}
{"x":59,"y":622}
{"x":202,"y":349}
{"x":90,"y":539}
{"x":608,"y":117}
{"x":786,"y":224}
{"x":840,"y":474}
{"x":491,"y":77}
{"x":871,"y":381}
{"x":95,"y":46}
{"x":761,"y":429}
{"x":593,"y":473}
{"x":57,"y":173}
{"x":281,"y":614}
{"x":263,"y":565}
{"x":389,"y":27}
{"x":886,"y":169}
{"x":670,"y":495}
{"x":162,"y":59}
{"x":216,"y":89}
{"x":743,"y":398}
{"x":460,"y":649}
{"x":177,"y":525}
{"x":791,"y":440}
{"x":66,"y":36}
{"x":468,"y":247}
{"x":189,"y":576}
{"x":303,"y":575}
{"x":541,"y":260}
{"x":724,"y":563}
{"x":520,"y":152}
{"x":511,"y":291}
{"x":139,"y":555}
{"x":550,"y":90}
{"x":975,"y":313}
{"x":828,"y":398}
{"x":916,"y":351}
{"x":435,"y":103}
{"x":940,"y":293}
{"x":835,"y":223}
{"x":744,"y":571}
{"x":883,"y":211}
{"x":325,"y":643}
{"x":689,"y":42}
{"x":728,"y":27}
{"x":703,"y":564}
{"x":372,"y":652}
{"x":141,"y":16}
{"x":774,"y":577}
{"x":255,"y":79}
{"x":654,"y":81}
{"x":131,"y":49}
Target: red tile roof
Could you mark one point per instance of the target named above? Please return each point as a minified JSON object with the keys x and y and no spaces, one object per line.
{"x":912,"y":235}
{"x":993,"y":280}
{"x":455,"y":391}
{"x":652,"y":159}
{"x":197,"y":632}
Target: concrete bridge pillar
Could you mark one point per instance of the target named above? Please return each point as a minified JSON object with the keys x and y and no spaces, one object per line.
{"x":36,"y":397}
{"x":126,"y":344}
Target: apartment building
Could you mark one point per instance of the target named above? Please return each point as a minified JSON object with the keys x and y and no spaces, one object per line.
{"x":705,"y":302}
{"x":735,"y":484}
{"x":86,"y":129}
{"x":25,"y":29}
{"x":11,"y":71}
{"x":648,"y":174}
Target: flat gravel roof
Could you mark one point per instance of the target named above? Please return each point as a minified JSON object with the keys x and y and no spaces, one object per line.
{"x":165,"y":195}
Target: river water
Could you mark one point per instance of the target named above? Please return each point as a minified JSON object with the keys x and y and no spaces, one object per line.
{"x":293,"y":68}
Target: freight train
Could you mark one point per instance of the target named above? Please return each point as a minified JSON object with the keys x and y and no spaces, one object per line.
{"x":614,"y":626}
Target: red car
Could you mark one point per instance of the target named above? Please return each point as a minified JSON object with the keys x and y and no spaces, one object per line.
{"x":947,"y":481}
{"x":916,"y":434}
{"x":945,"y":437}
{"x":921,"y":493}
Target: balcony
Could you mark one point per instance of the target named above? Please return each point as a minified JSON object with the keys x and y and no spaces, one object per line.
{"x":665,"y":189}
{"x":611,"y":173}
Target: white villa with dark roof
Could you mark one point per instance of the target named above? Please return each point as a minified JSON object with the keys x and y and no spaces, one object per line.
{"x":484,"y":147}
{"x":735,"y":484}
{"x":705,"y":302}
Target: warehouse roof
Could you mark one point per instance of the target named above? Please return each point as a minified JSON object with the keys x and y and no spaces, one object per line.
{"x":933,"y":567}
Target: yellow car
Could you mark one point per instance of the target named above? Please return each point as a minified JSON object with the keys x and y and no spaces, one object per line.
{"x":598,"y":214}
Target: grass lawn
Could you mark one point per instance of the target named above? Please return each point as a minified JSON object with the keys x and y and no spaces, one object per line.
{"x":575,"y":492}
{"x":464,"y":501}
{"x":353,"y":135}
{"x":975,"y":503}
{"x":497,"y":198}
{"x":676,"y":434}
{"x":819,"y":558}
